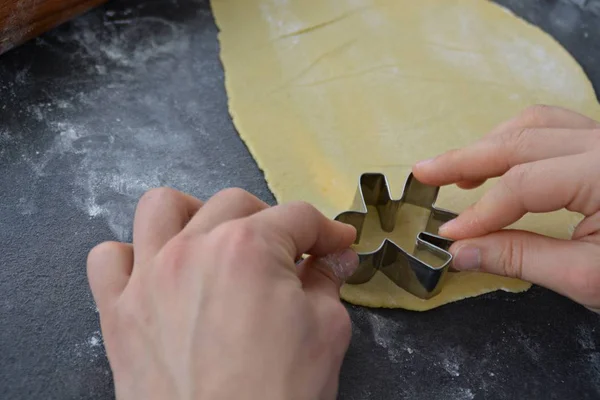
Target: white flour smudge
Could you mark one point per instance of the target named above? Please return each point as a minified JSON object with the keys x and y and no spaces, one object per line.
{"x":594,"y":370}
{"x":460,"y":394}
{"x":95,"y":340}
{"x":5,"y":137}
{"x":451,"y":367}
{"x":138,"y":144}
{"x":531,"y":347}
{"x":526,"y":64}
{"x":386,"y":333}
{"x":585,"y":338}
{"x":26,"y":206}
{"x":91,"y":348}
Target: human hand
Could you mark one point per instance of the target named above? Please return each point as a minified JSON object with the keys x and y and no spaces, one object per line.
{"x":208,"y":302}
{"x":548,"y":159}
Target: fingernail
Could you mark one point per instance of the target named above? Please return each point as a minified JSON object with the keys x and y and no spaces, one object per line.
{"x":467,"y":259}
{"x":448,"y":226}
{"x":343,"y":264}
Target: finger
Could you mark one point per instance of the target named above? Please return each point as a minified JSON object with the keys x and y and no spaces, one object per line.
{"x":567,"y":267}
{"x":226,"y":205}
{"x":300,"y":228}
{"x":542,"y":186}
{"x":327,"y":274}
{"x":538,"y":116}
{"x":589,"y":226}
{"x":160,"y":215}
{"x":493,"y":156}
{"x":109,"y":267}
{"x":543,"y":116}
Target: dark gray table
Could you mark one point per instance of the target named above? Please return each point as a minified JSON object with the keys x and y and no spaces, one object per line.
{"x":129,"y":97}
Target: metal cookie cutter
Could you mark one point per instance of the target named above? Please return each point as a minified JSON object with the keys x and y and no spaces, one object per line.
{"x":409,"y":270}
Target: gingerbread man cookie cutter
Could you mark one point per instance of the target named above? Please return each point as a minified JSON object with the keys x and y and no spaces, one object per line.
{"x":407,"y":269}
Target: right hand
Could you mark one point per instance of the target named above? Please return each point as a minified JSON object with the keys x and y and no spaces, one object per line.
{"x":548,"y":159}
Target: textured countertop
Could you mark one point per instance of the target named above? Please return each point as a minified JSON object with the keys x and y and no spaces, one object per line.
{"x":129,"y":97}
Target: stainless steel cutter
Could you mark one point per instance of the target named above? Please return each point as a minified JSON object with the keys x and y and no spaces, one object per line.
{"x":405,"y":267}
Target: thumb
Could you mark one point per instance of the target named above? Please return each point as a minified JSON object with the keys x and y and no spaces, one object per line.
{"x":571,"y":268}
{"x":321,"y":279}
{"x":327,"y":274}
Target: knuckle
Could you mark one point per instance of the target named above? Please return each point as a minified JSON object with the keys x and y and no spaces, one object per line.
{"x":451,"y":157}
{"x":236,"y":239}
{"x":451,"y":154}
{"x":454,"y":161}
{"x":302,"y":208}
{"x":519,"y":138}
{"x":157,"y":196}
{"x":516,"y":177}
{"x":100,"y":252}
{"x":511,"y":259}
{"x":584,"y":198}
{"x":235,"y":195}
{"x":239,"y":233}
{"x":102,"y":249}
{"x":519,"y":144}
{"x":515,"y":142}
{"x":172,"y":258}
{"x":536,"y":115}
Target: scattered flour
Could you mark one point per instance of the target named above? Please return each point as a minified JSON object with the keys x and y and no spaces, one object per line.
{"x":26,"y":206}
{"x":407,"y":352}
{"x":529,"y":345}
{"x":594,"y":370}
{"x":92,"y":348}
{"x":528,"y":65}
{"x":387,"y":334}
{"x":5,"y":136}
{"x":157,"y":149}
{"x":130,"y":147}
{"x":585,"y":338}
{"x":451,"y":367}
{"x":95,"y":340}
{"x":460,"y":394}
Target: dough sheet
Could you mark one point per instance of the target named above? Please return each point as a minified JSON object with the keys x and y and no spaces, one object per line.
{"x":324,"y":90}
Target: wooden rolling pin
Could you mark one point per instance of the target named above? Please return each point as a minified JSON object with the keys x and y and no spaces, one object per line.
{"x":21,"y":20}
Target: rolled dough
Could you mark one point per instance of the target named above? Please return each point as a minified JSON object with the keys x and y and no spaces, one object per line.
{"x":323,"y":90}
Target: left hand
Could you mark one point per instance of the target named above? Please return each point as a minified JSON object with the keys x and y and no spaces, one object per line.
{"x":208,"y":302}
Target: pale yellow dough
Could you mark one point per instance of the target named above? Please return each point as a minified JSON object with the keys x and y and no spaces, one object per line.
{"x":323,"y":90}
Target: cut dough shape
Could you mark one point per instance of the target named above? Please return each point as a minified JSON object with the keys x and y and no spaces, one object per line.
{"x":324,"y":90}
